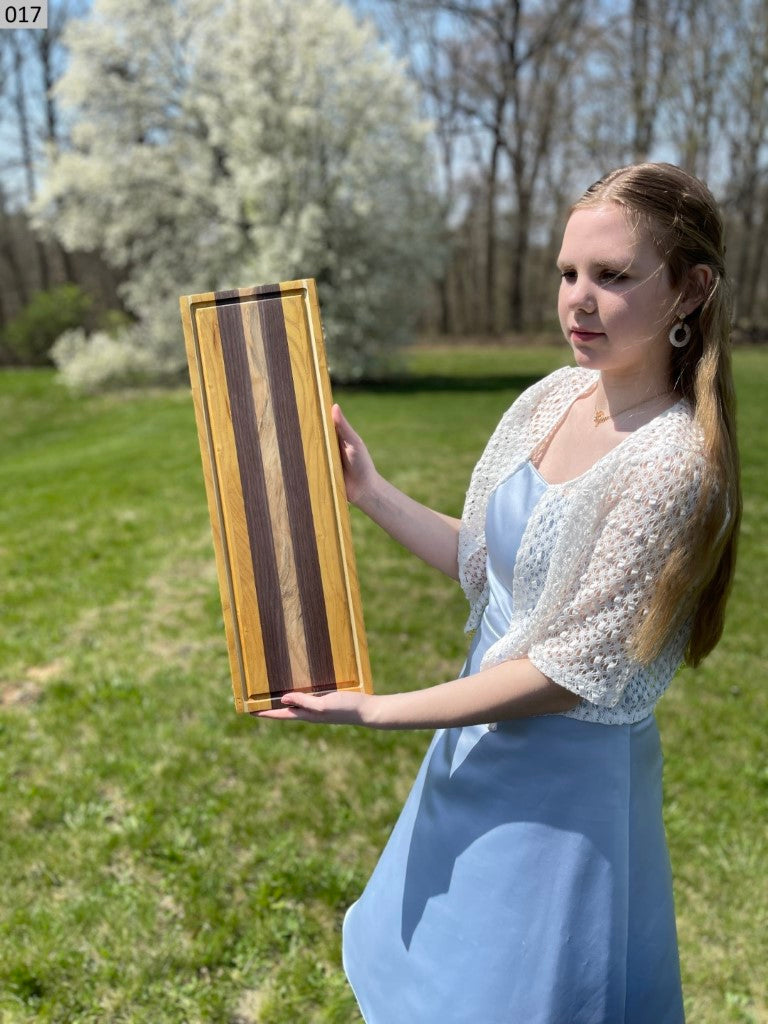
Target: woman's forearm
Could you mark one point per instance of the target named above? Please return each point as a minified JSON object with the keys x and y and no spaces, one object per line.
{"x":432,"y":536}
{"x":513,"y":689}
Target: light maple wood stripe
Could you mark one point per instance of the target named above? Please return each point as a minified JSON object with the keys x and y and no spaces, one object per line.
{"x":245,"y":620}
{"x":278,"y":507}
{"x":340,"y":511}
{"x":314,"y":444}
{"x":213,"y":494}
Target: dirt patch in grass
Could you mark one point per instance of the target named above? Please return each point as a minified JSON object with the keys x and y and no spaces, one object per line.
{"x":29,"y":689}
{"x":249,"y":1006}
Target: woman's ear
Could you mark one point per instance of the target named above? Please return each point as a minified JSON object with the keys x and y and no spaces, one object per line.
{"x":697,"y":288}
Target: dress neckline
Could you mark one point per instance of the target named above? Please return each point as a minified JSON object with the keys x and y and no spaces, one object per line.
{"x":538,"y":473}
{"x":581,"y":394}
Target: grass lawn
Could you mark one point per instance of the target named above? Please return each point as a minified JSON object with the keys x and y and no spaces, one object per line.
{"x":164,"y":860}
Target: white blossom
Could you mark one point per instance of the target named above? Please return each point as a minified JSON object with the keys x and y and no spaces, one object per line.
{"x":224,"y":143}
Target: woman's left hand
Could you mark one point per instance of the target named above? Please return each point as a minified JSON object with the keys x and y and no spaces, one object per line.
{"x":339,"y":707}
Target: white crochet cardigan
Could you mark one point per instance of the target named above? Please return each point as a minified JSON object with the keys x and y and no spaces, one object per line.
{"x":591,"y":551}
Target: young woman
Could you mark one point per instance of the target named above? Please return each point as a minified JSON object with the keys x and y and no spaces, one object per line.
{"x":527,"y":879}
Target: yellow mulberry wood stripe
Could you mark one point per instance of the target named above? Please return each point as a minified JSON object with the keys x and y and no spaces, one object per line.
{"x":204,"y":416}
{"x":337,"y":509}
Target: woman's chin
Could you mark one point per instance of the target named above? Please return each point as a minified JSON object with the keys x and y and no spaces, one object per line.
{"x":585,"y":357}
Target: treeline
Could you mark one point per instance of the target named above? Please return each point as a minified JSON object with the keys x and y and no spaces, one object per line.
{"x":528,"y":102}
{"x":531,"y":100}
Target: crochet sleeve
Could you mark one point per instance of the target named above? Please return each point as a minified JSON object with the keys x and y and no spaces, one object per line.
{"x":587,"y":641}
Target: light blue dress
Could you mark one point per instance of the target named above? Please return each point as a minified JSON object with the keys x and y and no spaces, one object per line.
{"x":527,"y":879}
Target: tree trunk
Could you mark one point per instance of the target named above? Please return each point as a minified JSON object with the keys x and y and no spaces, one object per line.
{"x":9,"y":254}
{"x":491,"y":248}
{"x":27,"y":152}
{"x":755,"y":272}
{"x":22,"y":118}
{"x":741,"y":298}
{"x":520,"y":249}
{"x":444,"y":298}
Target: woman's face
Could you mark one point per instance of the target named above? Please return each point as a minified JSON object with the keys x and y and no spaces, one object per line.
{"x":615,"y":302}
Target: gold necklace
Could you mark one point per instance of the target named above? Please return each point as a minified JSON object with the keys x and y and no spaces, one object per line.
{"x":601,"y":416}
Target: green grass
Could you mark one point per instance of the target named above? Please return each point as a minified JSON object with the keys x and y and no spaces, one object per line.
{"x":164,"y":860}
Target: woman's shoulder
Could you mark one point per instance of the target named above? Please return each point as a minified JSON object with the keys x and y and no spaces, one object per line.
{"x":666,"y":457}
{"x":674,"y":434}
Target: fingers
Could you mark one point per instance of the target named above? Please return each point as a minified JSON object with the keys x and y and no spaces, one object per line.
{"x":297,"y":706}
{"x":331,"y":708}
{"x":307,"y":701}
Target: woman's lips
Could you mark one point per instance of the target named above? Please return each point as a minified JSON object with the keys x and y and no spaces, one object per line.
{"x":580,"y":335}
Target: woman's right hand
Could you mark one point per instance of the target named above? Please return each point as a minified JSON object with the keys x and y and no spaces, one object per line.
{"x":428,"y":534}
{"x":359,"y":470}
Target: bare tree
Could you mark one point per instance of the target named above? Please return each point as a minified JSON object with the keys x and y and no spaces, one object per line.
{"x":18,"y":53}
{"x":545,"y":63}
{"x":747,"y":133}
{"x":530,"y":96}
{"x":10,"y":253}
{"x":504,"y":65}
{"x":697,"y":102}
{"x":30,"y":65}
{"x":654,"y":43}
{"x":436,"y":63}
{"x":48,"y":57}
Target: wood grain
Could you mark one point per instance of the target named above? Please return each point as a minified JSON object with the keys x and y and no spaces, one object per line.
{"x":275,"y":489}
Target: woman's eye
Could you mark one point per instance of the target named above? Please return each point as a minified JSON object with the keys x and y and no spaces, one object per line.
{"x":612,"y":276}
{"x":568,"y":275}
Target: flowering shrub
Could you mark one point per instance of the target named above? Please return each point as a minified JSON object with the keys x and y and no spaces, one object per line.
{"x":100,"y":361}
{"x":227,"y":144}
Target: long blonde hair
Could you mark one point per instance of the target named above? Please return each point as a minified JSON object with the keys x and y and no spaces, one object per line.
{"x":681,"y":216}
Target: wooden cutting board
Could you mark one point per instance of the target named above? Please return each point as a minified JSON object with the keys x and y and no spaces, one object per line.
{"x":286,"y":567}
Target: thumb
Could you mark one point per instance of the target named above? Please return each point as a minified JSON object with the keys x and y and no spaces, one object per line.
{"x":342,"y":424}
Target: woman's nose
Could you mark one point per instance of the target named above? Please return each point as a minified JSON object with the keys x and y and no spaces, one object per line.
{"x":583,"y":298}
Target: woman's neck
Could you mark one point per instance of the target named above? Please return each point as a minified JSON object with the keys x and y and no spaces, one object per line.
{"x":616,"y":392}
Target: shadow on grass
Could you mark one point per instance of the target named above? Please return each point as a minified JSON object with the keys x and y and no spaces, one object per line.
{"x":415,"y":382}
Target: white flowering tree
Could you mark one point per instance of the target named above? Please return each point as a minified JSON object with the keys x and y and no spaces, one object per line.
{"x":222,"y":143}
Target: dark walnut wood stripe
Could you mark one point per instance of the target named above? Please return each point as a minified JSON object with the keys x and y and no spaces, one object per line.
{"x":300,"y":519}
{"x":251,"y":466}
